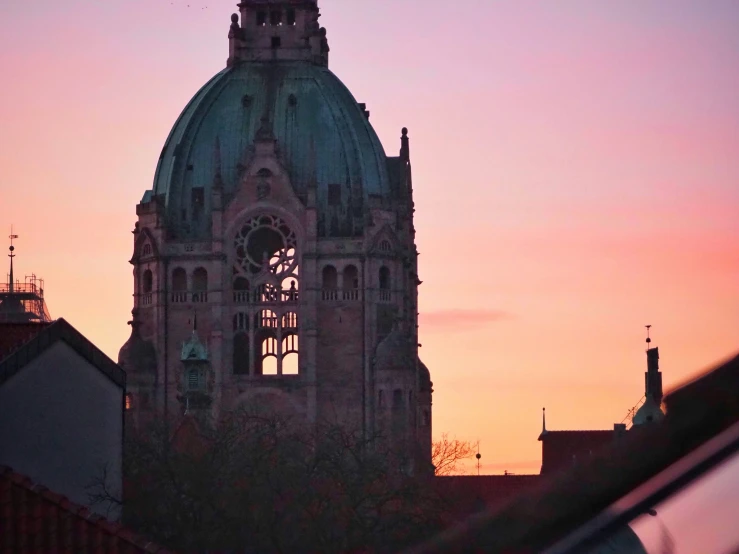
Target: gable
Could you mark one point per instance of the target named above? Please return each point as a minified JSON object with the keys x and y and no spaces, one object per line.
{"x":60,"y":330}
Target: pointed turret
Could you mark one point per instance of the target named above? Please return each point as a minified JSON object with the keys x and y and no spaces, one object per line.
{"x":651,"y":411}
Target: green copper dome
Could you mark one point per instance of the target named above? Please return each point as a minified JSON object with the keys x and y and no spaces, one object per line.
{"x":322,"y":135}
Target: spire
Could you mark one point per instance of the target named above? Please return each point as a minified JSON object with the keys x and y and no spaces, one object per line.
{"x":650,"y":411}
{"x":543,"y":423}
{"x":11,"y":256}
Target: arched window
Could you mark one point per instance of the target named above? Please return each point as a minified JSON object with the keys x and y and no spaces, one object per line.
{"x":351,"y":278}
{"x":179,"y":285}
{"x":148,"y":281}
{"x":266,"y":319}
{"x":290,"y":364}
{"x":241,"y":354}
{"x":290,"y":344}
{"x":385,"y":246}
{"x":329,"y":283}
{"x":267,"y":363}
{"x":385,"y":294}
{"x":398,"y":399}
{"x":290,"y":355}
{"x":350,"y":284}
{"x":384,"y":278}
{"x":330,"y":278}
{"x":290,"y":320}
{"x":146,"y":250}
{"x":241,"y":322}
{"x":241,"y":290}
{"x":200,"y":285}
{"x":128,"y":398}
{"x":179,"y":280}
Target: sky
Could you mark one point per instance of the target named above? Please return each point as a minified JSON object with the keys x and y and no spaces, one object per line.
{"x":575,"y":168}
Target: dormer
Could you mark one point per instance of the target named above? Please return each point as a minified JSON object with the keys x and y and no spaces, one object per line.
{"x":277,"y":30}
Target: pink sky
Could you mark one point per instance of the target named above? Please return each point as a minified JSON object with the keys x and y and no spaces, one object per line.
{"x":576,"y":168}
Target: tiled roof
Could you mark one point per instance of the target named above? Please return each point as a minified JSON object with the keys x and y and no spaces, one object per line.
{"x":34,"y":520}
{"x":15,"y":335}
{"x":49,"y":335}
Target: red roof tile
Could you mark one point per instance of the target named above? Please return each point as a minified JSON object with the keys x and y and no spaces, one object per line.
{"x":35,"y":520}
{"x":15,"y":335}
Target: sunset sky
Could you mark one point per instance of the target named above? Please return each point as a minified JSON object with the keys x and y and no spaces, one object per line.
{"x":575,"y":166}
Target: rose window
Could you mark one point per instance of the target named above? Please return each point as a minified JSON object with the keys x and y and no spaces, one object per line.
{"x":266,"y":244}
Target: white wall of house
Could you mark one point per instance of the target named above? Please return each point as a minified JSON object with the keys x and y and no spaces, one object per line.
{"x":61,"y":425}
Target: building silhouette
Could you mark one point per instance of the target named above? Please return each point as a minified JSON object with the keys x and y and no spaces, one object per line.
{"x":278,"y":223}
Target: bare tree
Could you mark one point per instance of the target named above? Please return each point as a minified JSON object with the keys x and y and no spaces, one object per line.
{"x":255,"y":483}
{"x":448,"y":454}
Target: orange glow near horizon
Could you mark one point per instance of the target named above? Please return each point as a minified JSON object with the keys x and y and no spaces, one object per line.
{"x":576,"y":176}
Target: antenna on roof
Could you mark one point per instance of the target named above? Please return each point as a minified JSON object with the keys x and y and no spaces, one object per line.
{"x":11,"y":256}
{"x":648,"y":339}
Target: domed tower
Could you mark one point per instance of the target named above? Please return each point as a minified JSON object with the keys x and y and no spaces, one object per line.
{"x":277,"y":220}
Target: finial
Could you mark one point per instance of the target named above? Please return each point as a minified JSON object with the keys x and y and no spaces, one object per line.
{"x":11,"y":256}
{"x":648,"y":339}
{"x":234,"y":29}
{"x":543,"y":420}
{"x":405,"y":151}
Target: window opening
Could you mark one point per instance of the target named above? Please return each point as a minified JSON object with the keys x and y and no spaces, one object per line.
{"x":290,"y":320}
{"x":330,"y":283}
{"x":128,"y":401}
{"x":350,"y":283}
{"x":385,"y":246}
{"x":276,"y":42}
{"x":384,"y":278}
{"x":290,"y":364}
{"x":275,"y":18}
{"x":291,"y":16}
{"x":241,"y":354}
{"x":266,"y":319}
{"x":148,"y":281}
{"x":261,"y":18}
{"x":147,"y":249}
{"x":397,"y":399}
{"x":179,"y":285}
{"x":200,"y":285}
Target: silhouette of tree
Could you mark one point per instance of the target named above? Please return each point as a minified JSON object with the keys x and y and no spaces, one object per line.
{"x":254,"y":483}
{"x":448,"y":454}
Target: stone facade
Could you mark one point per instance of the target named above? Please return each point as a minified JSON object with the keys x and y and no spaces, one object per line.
{"x":304,"y":290}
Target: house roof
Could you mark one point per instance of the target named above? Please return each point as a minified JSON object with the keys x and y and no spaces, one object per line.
{"x":556,"y":505}
{"x":14,"y":335}
{"x":35,"y":519}
{"x":561,"y":449}
{"x":49,"y":335}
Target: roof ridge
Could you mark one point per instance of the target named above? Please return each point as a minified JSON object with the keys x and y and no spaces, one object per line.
{"x":60,"y":329}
